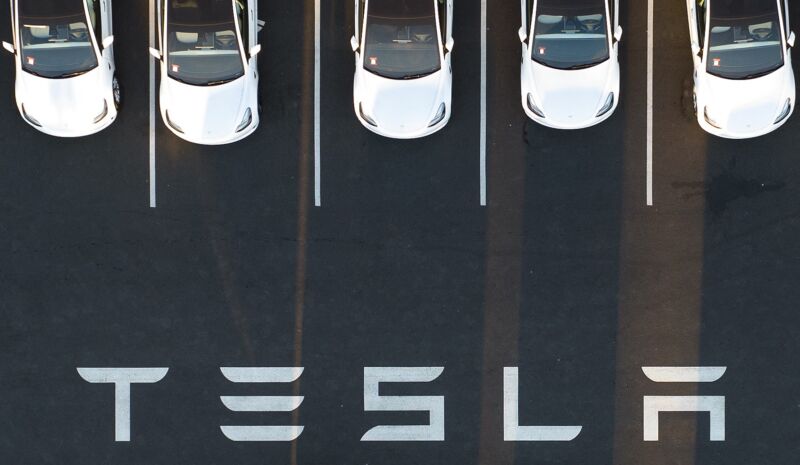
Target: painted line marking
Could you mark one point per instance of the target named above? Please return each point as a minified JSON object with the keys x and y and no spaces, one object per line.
{"x":483,"y":102}
{"x":152,"y":107}
{"x":649,"y":103}
{"x":317,"y":79}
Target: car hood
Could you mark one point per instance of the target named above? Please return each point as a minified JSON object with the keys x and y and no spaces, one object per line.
{"x":401,"y":106}
{"x":63,"y":104}
{"x":204,"y":112}
{"x":571,"y":96}
{"x":747,"y":105}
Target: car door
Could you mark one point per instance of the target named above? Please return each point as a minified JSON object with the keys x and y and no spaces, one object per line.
{"x":106,"y":27}
{"x":108,"y":24}
{"x":526,"y":29}
{"x":697,"y":10}
{"x":527,"y":16}
{"x":785,"y":14}
{"x":446,"y":23}
{"x":614,"y":4}
{"x":243,"y":11}
{"x":14,"y":29}
{"x":359,"y":18}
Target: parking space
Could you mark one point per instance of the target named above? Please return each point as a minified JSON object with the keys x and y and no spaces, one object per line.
{"x":395,"y":260}
{"x":566,"y":272}
{"x":693,"y":265}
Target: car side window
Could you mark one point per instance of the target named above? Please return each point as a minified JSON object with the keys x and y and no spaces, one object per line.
{"x":529,"y":17}
{"x":361,"y":5}
{"x":443,"y":19}
{"x":611,"y":16}
{"x":93,"y":7}
{"x":701,"y":21}
{"x":244,"y":24}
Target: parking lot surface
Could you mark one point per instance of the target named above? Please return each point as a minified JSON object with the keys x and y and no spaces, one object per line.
{"x":566,"y":272}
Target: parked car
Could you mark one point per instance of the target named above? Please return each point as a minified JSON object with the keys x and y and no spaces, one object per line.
{"x":65,"y":83}
{"x":743,"y":79}
{"x":403,"y":80}
{"x":209,"y":71}
{"x":570,"y":69}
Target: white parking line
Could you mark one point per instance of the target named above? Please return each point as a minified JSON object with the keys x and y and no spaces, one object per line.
{"x":317,"y":71}
{"x":483,"y":102}
{"x":152,"y":107}
{"x":649,"y":103}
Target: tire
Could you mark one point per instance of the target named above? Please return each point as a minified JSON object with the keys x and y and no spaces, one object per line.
{"x":116,"y":89}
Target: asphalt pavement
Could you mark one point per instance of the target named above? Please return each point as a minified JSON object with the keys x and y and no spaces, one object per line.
{"x":566,"y":273}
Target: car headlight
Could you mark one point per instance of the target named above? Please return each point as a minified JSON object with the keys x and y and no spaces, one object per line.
{"x":30,"y":118}
{"x":246,"y":120}
{"x":606,"y":106}
{"x":103,"y":113}
{"x":532,"y":106}
{"x":787,"y":108}
{"x":173,"y":125}
{"x":709,"y":119}
{"x":365,"y":117}
{"x":439,"y":115}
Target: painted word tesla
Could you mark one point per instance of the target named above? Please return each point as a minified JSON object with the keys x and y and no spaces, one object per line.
{"x":123,"y":378}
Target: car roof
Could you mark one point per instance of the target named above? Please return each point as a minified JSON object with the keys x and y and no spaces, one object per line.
{"x":401,"y":8}
{"x":572,"y":4}
{"x":51,"y":8}
{"x":732,"y":9}
{"x":198,"y":12}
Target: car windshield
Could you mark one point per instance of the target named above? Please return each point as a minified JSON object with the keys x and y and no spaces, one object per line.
{"x":402,"y":39}
{"x":56,"y":41}
{"x":745,"y":48}
{"x":566,"y":37}
{"x":202,"y":44}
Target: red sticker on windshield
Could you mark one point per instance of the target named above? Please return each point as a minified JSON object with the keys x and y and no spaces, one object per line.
{"x":175,"y":68}
{"x":716,"y":61}
{"x":31,"y":60}
{"x":373,"y":61}
{"x":542,"y":50}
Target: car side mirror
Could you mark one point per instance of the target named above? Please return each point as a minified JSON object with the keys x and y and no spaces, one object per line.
{"x":156,"y":54}
{"x":9,"y":48}
{"x":790,"y":39}
{"x":696,"y":49}
{"x":108,"y":41}
{"x":255,"y":50}
{"x":618,"y":34}
{"x":449,"y":44}
{"x":354,"y":43}
{"x":523,"y":36}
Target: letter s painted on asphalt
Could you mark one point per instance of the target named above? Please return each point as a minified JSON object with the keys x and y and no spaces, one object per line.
{"x":374,"y":402}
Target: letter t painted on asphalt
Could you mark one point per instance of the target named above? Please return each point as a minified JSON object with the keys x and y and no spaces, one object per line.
{"x":122,"y":378}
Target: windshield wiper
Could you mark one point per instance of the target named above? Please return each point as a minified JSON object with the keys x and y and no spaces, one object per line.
{"x":759,"y":74}
{"x":182,"y":81}
{"x":34,"y":72}
{"x":583,"y":65}
{"x":70,"y":74}
{"x":418,"y":75}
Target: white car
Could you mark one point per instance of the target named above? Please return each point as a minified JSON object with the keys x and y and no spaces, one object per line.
{"x":209,"y":75}
{"x":570,"y":71}
{"x":743,"y":79}
{"x":403,"y":81}
{"x":65,"y":75}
